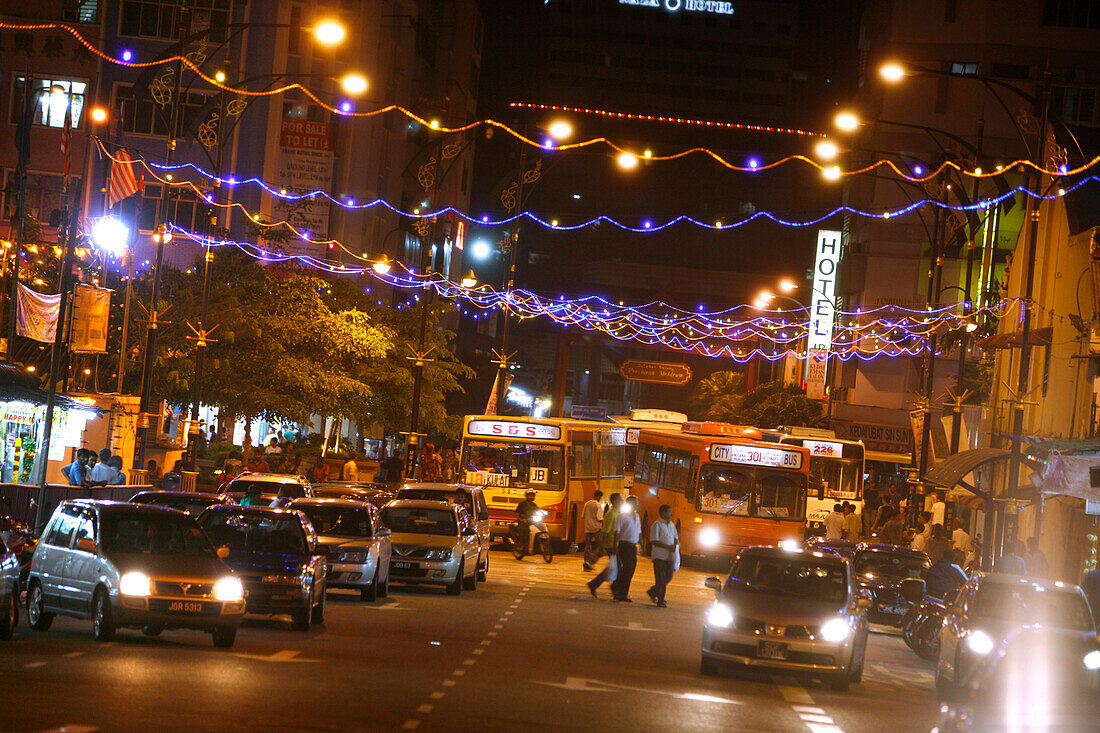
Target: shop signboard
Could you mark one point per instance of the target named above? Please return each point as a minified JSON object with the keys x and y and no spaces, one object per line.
{"x":656,"y":372}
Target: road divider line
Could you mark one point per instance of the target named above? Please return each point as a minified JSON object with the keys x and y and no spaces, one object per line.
{"x":448,"y":683}
{"x":437,"y":695}
{"x":459,"y":672}
{"x":34,"y":665}
{"x":410,"y":725}
{"x":70,"y":655}
{"x":424,"y":709}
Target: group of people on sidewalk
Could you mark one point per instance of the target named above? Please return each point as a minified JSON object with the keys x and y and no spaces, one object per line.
{"x":615,"y":530}
{"x":91,"y":469}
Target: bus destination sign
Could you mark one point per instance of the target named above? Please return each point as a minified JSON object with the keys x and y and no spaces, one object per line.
{"x":824,"y":448}
{"x":751,"y":455}
{"x":510,"y":429}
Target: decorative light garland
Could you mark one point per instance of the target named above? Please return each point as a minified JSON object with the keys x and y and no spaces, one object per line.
{"x":665,"y":119}
{"x":753,"y":167}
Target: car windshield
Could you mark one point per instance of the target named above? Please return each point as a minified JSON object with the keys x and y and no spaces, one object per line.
{"x":265,"y":533}
{"x":752,"y":492}
{"x":516,"y":465}
{"x":793,"y":577}
{"x":420,"y":521}
{"x":148,"y":534}
{"x":451,"y":497}
{"x":293,"y":490}
{"x":341,"y":521}
{"x":890,"y":565}
{"x":1029,"y":603}
{"x":189,"y":504}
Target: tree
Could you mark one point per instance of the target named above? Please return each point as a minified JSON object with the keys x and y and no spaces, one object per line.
{"x":719,"y":397}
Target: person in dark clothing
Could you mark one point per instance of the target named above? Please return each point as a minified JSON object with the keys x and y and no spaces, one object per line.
{"x":393,"y":468}
{"x":944,"y":577}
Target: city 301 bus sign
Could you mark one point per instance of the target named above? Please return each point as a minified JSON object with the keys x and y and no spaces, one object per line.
{"x":509,"y":429}
{"x":754,"y":456}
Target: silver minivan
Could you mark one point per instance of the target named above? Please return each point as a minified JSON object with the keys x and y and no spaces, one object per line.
{"x":131,"y":565}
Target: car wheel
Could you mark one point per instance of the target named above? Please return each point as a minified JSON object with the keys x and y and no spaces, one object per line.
{"x":152,"y":630}
{"x":37,"y":616}
{"x":299,"y":619}
{"x":317,"y":616}
{"x":11,"y":616}
{"x":370,"y":593}
{"x":856,"y":675}
{"x":455,"y":587}
{"x":708,"y":666}
{"x":484,"y":572}
{"x":384,"y":588}
{"x":470,"y":583}
{"x":224,"y":638}
{"x":839,"y":684}
{"x":103,"y":625}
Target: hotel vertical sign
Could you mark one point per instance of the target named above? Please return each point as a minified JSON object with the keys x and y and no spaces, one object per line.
{"x":819,"y":338}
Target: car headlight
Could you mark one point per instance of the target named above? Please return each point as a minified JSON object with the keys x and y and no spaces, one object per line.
{"x":1092,"y":660}
{"x":437,"y":555}
{"x":229,"y":589}
{"x":979,"y":642}
{"x":709,"y":537}
{"x":720,"y":616}
{"x":789,"y":545}
{"x":357,"y":556}
{"x":281,"y":578}
{"x":835,"y":631}
{"x":134,"y":584}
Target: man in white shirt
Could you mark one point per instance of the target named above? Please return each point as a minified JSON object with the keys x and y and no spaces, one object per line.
{"x":938,"y":509}
{"x":350,"y":471}
{"x":593,"y":526}
{"x":272,"y":447}
{"x":664,"y":543}
{"x":960,"y":539}
{"x":629,"y":528}
{"x":834,"y":523}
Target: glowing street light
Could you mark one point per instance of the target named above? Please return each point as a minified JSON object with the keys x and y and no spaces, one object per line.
{"x":846,"y":121}
{"x":110,"y":235}
{"x":98,"y":114}
{"x":627,"y":161}
{"x":469,"y":280}
{"x":354,"y":83}
{"x":382,"y":265}
{"x":832,"y":173}
{"x":787,"y":285}
{"x":481,"y":250}
{"x":560,"y":129}
{"x":329,"y":32}
{"x":892,"y":72}
{"x":826,"y":150}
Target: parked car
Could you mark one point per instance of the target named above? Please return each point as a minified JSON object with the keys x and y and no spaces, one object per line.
{"x":880,"y":569}
{"x":992,"y":604}
{"x":434,"y":543}
{"x":276,"y":554}
{"x":188,"y":502}
{"x":1037,"y":679}
{"x":128,"y":565}
{"x":357,"y":544}
{"x":272,"y":486}
{"x":9,"y":592}
{"x":794,"y":610}
{"x":844,"y":548}
{"x":470,"y":498}
{"x":378,"y":495}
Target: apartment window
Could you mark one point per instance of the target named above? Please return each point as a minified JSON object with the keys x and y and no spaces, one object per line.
{"x":1072,"y":13}
{"x":159,"y":19}
{"x":146,"y":117}
{"x":305,"y":111}
{"x":43,"y":196}
{"x":49,"y":107}
{"x":82,"y":11}
{"x":964,"y":68}
{"x":1075,"y":104}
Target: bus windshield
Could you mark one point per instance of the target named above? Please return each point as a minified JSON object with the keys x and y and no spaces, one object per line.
{"x":516,"y":465}
{"x":752,"y":492}
{"x":841,"y":476}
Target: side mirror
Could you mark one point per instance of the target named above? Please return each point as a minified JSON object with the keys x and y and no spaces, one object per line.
{"x":469,"y":532}
{"x":85,"y":544}
{"x":483,"y":516}
{"x":223,"y":552}
{"x":714,"y":584}
{"x":912,"y":590}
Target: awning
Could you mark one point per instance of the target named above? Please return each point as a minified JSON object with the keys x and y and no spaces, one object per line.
{"x":19,"y":385}
{"x":1038,"y":337}
{"x":951,"y":471}
{"x":887,"y":457}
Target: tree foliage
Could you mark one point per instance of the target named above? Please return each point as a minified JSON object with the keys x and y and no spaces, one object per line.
{"x":719,"y":397}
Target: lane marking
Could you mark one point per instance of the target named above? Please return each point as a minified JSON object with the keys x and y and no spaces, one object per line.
{"x":632,"y":626}
{"x":459,"y":672}
{"x":478,"y":651}
{"x":805,"y":707}
{"x":34,"y":665}
{"x":486,"y":642}
{"x":582,"y":684}
{"x":469,"y":662}
{"x":437,"y":695}
{"x":492,"y":633}
{"x":795,"y":694}
{"x":70,"y":655}
{"x":410,"y":725}
{"x":448,"y":683}
{"x":424,"y":709}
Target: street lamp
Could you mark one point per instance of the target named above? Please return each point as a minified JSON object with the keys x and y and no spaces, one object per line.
{"x":110,"y":235}
{"x":892,"y":72}
{"x":354,"y":84}
{"x":382,"y":265}
{"x":481,"y":250}
{"x":560,"y":129}
{"x":846,"y":121}
{"x":329,"y":32}
{"x":627,"y":161}
{"x":469,"y":280}
{"x":826,"y":150}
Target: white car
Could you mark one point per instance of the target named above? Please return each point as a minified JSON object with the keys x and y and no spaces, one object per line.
{"x":434,"y":543}
{"x":358,"y":545}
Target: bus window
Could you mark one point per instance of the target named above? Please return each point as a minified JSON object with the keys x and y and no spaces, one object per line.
{"x":612,"y":460}
{"x":678,"y":470}
{"x":584,"y":460}
{"x":725,"y":491}
{"x":780,"y":495}
{"x":648,"y":467}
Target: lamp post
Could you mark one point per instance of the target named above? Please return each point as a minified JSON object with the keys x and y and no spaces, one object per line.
{"x":764,"y":301}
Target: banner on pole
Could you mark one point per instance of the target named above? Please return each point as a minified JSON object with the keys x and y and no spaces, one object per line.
{"x":36,"y":315}
{"x":491,"y":405}
{"x":91,"y":309}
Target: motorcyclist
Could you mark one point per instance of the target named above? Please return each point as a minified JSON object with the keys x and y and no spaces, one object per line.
{"x":944,"y":577}
{"x":525,"y":511}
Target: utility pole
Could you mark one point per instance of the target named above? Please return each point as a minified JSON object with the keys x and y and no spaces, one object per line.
{"x":510,"y":284}
{"x":26,"y":121}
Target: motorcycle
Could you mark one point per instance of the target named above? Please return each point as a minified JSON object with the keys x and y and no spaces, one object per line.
{"x":920,"y":627}
{"x":518,"y":538}
{"x":21,"y":541}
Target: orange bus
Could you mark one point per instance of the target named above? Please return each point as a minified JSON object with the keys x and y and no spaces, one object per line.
{"x":634,"y":423}
{"x":728,"y":489}
{"x":563,"y":460}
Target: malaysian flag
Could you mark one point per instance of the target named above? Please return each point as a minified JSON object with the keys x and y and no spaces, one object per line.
{"x":67,"y":142}
{"x":123,"y":183}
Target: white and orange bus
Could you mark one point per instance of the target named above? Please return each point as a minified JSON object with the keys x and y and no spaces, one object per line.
{"x":563,"y":460}
{"x":634,"y":423}
{"x":728,"y":489}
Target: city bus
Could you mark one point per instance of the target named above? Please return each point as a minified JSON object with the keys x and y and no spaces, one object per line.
{"x":634,"y":422}
{"x":563,"y":460}
{"x":727,"y":487}
{"x":837,"y":469}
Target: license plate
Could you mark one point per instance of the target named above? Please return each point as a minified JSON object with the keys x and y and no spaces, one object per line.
{"x":185,"y":607}
{"x":771,"y":650}
{"x":893,"y":610}
{"x":402,"y":565}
